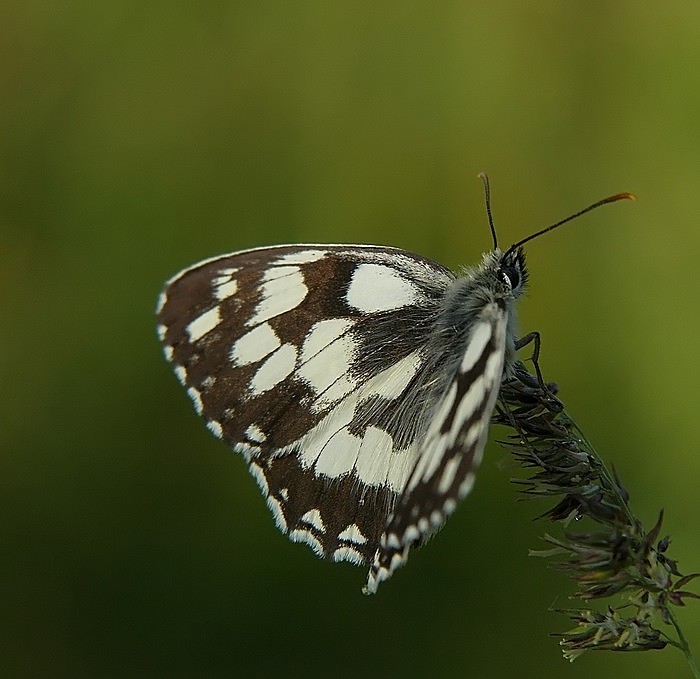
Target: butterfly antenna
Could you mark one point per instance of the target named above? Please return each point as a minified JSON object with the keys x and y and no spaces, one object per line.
{"x":604,"y":201}
{"x":487,"y":195}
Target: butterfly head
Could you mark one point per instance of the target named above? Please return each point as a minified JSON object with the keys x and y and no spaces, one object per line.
{"x":512,"y":271}
{"x":502,"y":275}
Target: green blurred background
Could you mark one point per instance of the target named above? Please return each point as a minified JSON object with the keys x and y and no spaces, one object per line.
{"x":137,"y":138}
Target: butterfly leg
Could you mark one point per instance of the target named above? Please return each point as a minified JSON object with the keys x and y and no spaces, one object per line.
{"x":535,"y":339}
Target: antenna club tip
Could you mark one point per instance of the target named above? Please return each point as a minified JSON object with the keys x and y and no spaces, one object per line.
{"x":611,"y":199}
{"x":622,"y":196}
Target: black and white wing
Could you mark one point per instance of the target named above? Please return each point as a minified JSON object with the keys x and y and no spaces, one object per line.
{"x":351,"y":379}
{"x":452,"y":450}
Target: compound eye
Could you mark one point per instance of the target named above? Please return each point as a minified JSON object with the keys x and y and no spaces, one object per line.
{"x":510,"y":277}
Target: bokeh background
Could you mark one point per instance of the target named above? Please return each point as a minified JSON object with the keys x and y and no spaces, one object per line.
{"x":137,"y":138}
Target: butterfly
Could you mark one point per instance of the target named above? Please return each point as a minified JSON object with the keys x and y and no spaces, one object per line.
{"x":357,"y":381}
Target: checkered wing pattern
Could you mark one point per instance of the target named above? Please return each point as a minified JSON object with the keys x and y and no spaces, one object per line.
{"x":356,"y":381}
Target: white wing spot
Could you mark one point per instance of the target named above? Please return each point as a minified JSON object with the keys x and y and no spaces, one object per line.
{"x":448,"y":474}
{"x":392,"y":541}
{"x":326,"y":368}
{"x":375,"y":287}
{"x":301,"y":535}
{"x":224,"y":275}
{"x":226,"y":289}
{"x":313,"y":518}
{"x":196,"y":399}
{"x":181,"y":374}
{"x":254,"y":345}
{"x":168,"y":352}
{"x":302,"y":257}
{"x":274,"y":272}
{"x":392,"y":382}
{"x":472,"y":436}
{"x":477,"y":342}
{"x":276,"y":368}
{"x":246,"y":449}
{"x":411,"y":534}
{"x":215,"y":428}
{"x":337,"y":451}
{"x":162,"y":299}
{"x":450,"y":505}
{"x":346,"y":553}
{"x":322,"y":334}
{"x":374,"y":457}
{"x":353,"y":534}
{"x":467,"y":485}
{"x":259,"y":475}
{"x":255,"y":434}
{"x":282,"y":290}
{"x":396,"y":561}
{"x":400,"y":467}
{"x":336,"y":391}
{"x":203,"y":324}
{"x":275,"y":507}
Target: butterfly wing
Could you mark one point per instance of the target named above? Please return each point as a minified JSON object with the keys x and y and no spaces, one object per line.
{"x":454,"y":444}
{"x":307,"y":360}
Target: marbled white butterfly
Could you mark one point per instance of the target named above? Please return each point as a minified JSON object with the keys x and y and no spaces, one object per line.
{"x":357,"y":381}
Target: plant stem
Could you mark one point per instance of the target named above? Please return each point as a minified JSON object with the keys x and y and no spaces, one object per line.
{"x":684,"y":646}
